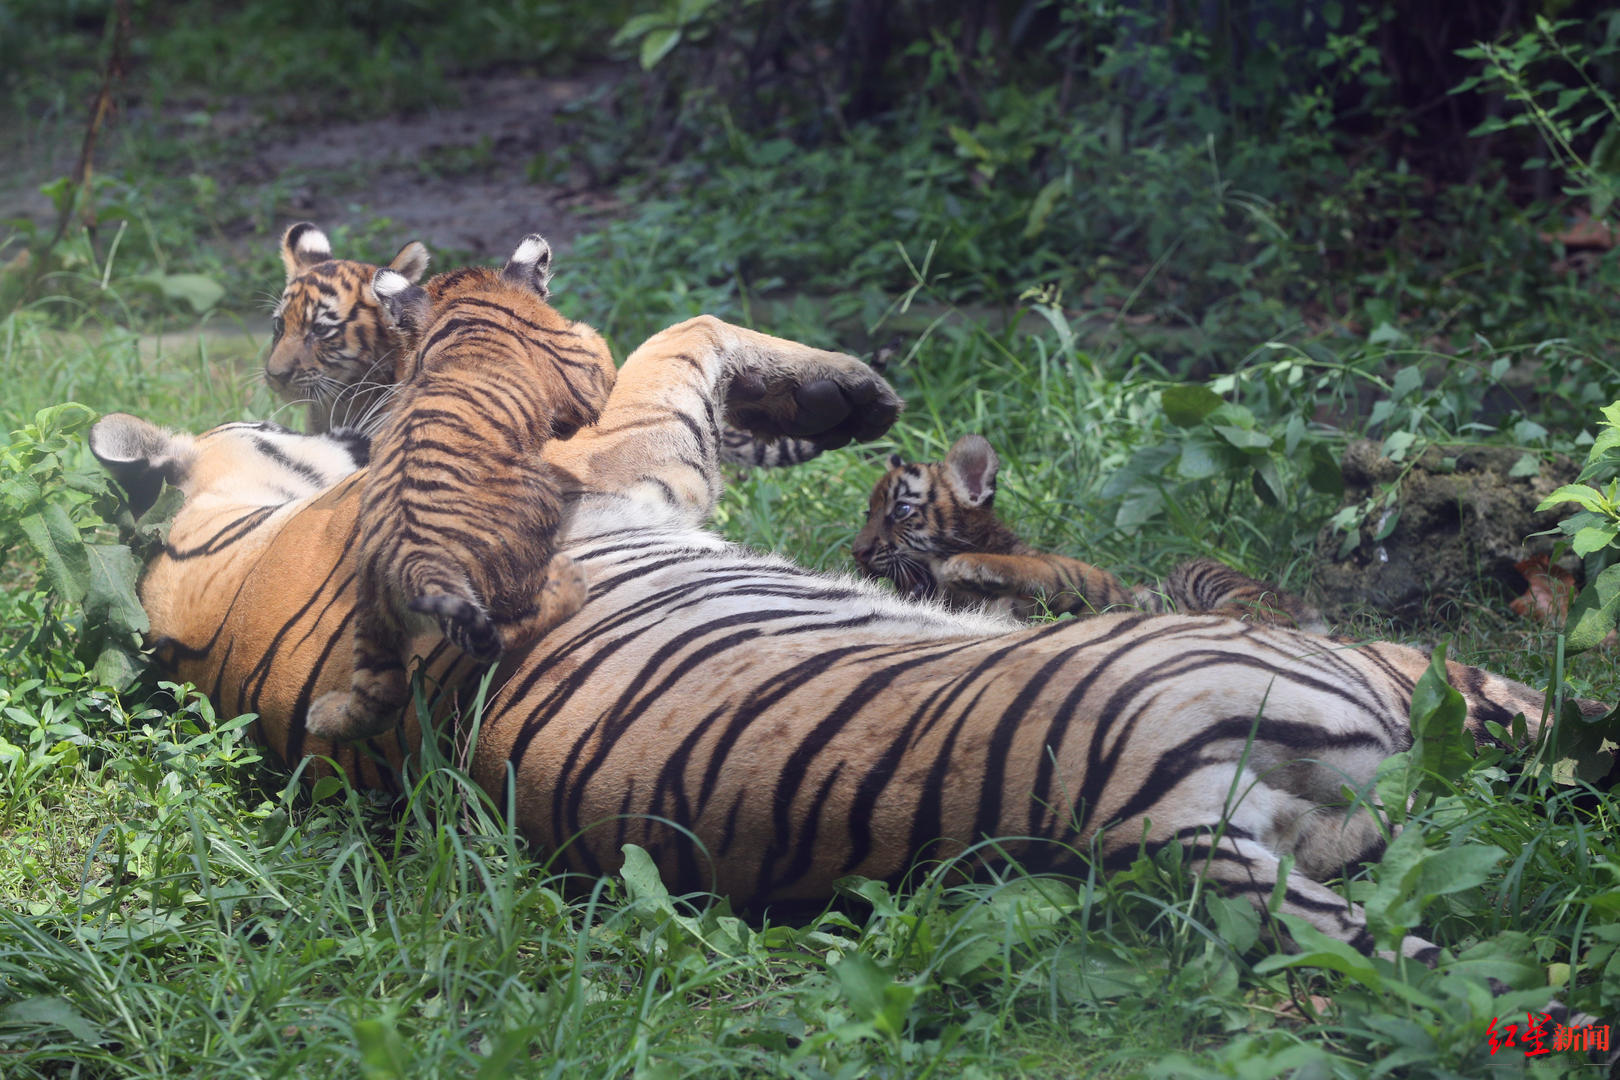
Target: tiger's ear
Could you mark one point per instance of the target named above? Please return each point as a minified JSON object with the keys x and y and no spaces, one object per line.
{"x":530,"y":265}
{"x":404,"y":305}
{"x":411,"y":262}
{"x":970,"y":469}
{"x":302,"y":246}
{"x":140,"y":456}
{"x":895,"y":461}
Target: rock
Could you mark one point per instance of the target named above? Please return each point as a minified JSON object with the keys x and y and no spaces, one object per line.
{"x":1463,"y":520}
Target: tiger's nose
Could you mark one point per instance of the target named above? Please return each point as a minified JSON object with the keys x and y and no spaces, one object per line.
{"x":863,"y":553}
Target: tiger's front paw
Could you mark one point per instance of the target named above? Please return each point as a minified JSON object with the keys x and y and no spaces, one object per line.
{"x":827,"y":398}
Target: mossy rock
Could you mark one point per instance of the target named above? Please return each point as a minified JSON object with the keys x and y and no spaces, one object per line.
{"x":1464,"y":522}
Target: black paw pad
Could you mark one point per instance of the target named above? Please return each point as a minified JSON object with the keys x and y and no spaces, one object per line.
{"x":822,"y":406}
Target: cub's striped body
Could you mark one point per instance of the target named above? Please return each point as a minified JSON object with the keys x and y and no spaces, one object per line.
{"x":804,"y":727}
{"x":330,"y":344}
{"x":460,"y":512}
{"x":932,"y":529}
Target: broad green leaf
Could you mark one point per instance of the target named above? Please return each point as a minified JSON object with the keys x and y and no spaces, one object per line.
{"x":1589,"y":498}
{"x":1594,"y":538}
{"x":1319,"y":950}
{"x":382,"y":1050}
{"x":872,"y":993}
{"x":1198,"y":461}
{"x":1594,"y":612}
{"x":20,"y":491}
{"x":1406,"y":380}
{"x":116,"y":666}
{"x":325,"y":788}
{"x":1236,"y":920}
{"x":967,"y":144}
{"x":637,"y":25}
{"x":657,"y":44}
{"x":1243,"y":438}
{"x":1441,"y":742}
{"x":1138,"y":508}
{"x":1293,"y":435}
{"x":1092,"y":974}
{"x":111,"y":599}
{"x":1528,"y":431}
{"x":1385,"y":334}
{"x":60,"y":548}
{"x":1188,"y":404}
{"x":641,"y":878}
{"x":36,"y":1014}
{"x":1527,"y":465}
{"x":1145,"y":464}
{"x":1397,"y":443}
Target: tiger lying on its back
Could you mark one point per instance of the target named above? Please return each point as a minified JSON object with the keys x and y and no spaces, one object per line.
{"x":932,"y":529}
{"x":330,"y":345}
{"x":763,"y":731}
{"x":460,"y":513}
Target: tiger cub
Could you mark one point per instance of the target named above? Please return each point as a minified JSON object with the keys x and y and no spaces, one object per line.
{"x":330,"y":344}
{"x":459,"y":517}
{"x":933,"y":531}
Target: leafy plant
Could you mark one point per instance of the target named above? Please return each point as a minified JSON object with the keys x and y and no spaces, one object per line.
{"x":1594,"y":535}
{"x":53,"y":507}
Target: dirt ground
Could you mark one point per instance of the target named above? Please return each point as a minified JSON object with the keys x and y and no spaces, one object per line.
{"x":457,"y":178}
{"x":1462,"y":518}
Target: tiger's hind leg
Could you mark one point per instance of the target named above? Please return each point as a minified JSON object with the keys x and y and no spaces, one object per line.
{"x":660,"y":436}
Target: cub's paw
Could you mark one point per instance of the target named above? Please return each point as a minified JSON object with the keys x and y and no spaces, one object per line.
{"x":331,"y":718}
{"x":464,"y":624}
{"x":826,"y":398}
{"x":566,"y":589}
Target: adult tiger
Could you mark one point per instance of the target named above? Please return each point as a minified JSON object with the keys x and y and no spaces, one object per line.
{"x":762,"y":730}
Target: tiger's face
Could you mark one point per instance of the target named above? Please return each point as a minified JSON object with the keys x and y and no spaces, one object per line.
{"x":249,"y":464}
{"x":329,"y":341}
{"x":920,"y":514}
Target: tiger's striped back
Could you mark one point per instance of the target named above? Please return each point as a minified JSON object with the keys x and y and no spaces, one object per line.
{"x":932,"y":529}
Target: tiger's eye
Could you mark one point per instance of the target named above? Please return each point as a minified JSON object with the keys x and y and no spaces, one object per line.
{"x":277,"y":325}
{"x":901,"y":510}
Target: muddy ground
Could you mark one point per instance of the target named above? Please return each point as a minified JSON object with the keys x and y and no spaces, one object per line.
{"x":1462,"y":518}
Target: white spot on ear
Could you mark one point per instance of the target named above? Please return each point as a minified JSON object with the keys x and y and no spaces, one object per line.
{"x":534,"y":249}
{"x":314,"y":242}
{"x":388,"y":283}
